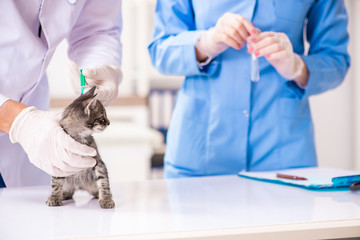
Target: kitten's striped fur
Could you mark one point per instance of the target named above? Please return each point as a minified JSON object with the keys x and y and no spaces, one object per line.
{"x":84,"y":116}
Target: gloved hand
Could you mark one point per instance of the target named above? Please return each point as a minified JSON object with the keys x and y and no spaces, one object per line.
{"x":230,"y":30}
{"x":278,"y":50}
{"x":105,"y":77}
{"x":47,"y":145}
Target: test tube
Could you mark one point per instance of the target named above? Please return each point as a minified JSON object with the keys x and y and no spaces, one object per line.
{"x":255,"y":72}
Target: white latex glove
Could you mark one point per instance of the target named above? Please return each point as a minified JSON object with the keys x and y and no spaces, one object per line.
{"x":230,"y":30}
{"x":278,"y":50}
{"x":48,"y":146}
{"x":106,"y":78}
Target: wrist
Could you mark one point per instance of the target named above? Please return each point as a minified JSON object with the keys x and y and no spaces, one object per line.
{"x":200,"y":56}
{"x":207,"y":47}
{"x":8,"y":113}
{"x":301,"y":76}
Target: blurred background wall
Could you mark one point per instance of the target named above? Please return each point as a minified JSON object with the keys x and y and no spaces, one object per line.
{"x":134,"y":143}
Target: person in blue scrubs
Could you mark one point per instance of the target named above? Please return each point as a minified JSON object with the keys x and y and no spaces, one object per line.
{"x":2,"y":183}
{"x":222,"y":121}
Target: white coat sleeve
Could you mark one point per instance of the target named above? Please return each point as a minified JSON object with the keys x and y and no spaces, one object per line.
{"x":3,"y":99}
{"x":95,"y":38}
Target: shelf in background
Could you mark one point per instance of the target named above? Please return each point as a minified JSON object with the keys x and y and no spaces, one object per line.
{"x":120,"y":101}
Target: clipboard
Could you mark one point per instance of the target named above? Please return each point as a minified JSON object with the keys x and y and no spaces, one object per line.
{"x":318,"y":178}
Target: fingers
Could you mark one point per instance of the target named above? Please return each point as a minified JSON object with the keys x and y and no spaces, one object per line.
{"x":268,"y":49}
{"x":94,"y":76}
{"x":106,"y":80}
{"x":103,"y":90}
{"x":269,"y":43}
{"x":57,"y":116}
{"x":262,"y":35}
{"x":262,"y":41}
{"x":81,"y":149}
{"x":74,"y":155}
{"x":71,"y":164}
{"x":277,"y":56}
{"x":99,"y":72}
{"x":229,"y":38}
{"x":72,"y":146}
{"x":52,"y":150}
{"x":94,"y":82}
{"x":61,"y":171}
{"x":249,"y":27}
{"x":77,"y":163}
{"x":235,"y":36}
{"x":90,"y":72}
{"x":244,"y":34}
{"x":265,"y":42}
{"x":243,"y":27}
{"x":56,"y":169}
{"x":238,"y":21}
{"x":71,"y":156}
{"x":56,"y":172}
{"x":233,"y":30}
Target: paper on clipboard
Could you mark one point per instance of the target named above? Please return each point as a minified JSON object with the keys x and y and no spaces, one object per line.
{"x":317,"y":178}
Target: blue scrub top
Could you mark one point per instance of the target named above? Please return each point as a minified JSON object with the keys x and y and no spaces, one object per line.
{"x":224,"y":123}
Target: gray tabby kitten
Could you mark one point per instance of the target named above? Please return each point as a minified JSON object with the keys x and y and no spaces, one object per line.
{"x":84,"y":116}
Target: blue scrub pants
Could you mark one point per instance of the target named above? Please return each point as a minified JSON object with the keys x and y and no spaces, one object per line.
{"x":2,"y":183}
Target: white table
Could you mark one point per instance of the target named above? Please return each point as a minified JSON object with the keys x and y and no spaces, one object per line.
{"x":224,"y":207}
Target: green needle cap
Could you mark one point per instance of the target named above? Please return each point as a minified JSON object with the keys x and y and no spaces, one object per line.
{"x":82,"y":82}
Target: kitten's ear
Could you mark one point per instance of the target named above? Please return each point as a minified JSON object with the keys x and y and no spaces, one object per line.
{"x":91,"y":92}
{"x":91,"y":105}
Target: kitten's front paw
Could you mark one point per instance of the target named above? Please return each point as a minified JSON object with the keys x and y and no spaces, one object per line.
{"x":67,"y":196}
{"x":53,"y":202}
{"x":107,"y":203}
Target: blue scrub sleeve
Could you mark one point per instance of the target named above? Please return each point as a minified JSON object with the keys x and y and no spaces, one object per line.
{"x":328,"y":59}
{"x":172,"y":49}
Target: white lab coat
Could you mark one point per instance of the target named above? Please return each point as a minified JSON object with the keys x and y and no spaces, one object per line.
{"x":92,"y":28}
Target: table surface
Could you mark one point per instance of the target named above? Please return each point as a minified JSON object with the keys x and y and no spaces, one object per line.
{"x":186,"y":208}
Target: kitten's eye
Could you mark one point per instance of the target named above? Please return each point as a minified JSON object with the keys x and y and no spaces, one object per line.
{"x":102,"y":120}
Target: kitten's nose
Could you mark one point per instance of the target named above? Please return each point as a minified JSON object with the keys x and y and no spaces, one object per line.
{"x":107,"y":122}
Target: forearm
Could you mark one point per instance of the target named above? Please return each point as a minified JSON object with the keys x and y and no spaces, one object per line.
{"x":327,"y":60}
{"x":99,"y":49}
{"x":325,"y":72}
{"x":8,"y":112}
{"x":176,"y":55}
